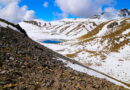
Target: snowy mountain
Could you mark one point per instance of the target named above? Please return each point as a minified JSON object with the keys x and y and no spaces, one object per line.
{"x":25,"y":64}
{"x":124,"y":12}
{"x":101,"y":44}
{"x":68,"y":28}
{"x":105,"y":48}
{"x":114,"y":14}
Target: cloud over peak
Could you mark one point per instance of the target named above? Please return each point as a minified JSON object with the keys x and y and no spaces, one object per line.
{"x":82,"y":8}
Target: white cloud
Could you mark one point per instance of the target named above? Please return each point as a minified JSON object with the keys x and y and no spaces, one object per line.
{"x":45,"y":4}
{"x":59,"y":15}
{"x":104,"y":2}
{"x":5,"y":2}
{"x":13,"y":13}
{"x":110,"y":13}
{"x":110,"y":9}
{"x":82,"y":8}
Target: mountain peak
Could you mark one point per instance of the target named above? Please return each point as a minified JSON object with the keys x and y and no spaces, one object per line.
{"x":115,"y":14}
{"x":124,"y":12}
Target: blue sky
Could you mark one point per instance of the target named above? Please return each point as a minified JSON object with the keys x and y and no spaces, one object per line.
{"x":40,"y":11}
{"x":45,"y":13}
{"x":48,"y":13}
{"x":48,"y":10}
{"x":123,"y":4}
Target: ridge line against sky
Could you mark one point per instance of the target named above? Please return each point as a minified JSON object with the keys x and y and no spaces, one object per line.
{"x":48,"y":10}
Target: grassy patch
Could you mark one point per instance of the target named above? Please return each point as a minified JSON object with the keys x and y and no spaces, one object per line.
{"x":70,"y":55}
{"x":88,"y":64}
{"x":93,"y":32}
{"x":63,"y":29}
{"x":118,"y":31}
{"x":116,"y":46}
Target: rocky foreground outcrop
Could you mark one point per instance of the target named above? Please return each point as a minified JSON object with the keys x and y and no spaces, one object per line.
{"x":26,"y":65}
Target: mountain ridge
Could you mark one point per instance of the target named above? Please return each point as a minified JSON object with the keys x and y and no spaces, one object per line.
{"x":114,"y":14}
{"x":40,"y":69}
{"x":97,"y":43}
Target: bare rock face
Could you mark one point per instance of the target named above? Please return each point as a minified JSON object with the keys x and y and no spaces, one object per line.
{"x":124,"y":12}
{"x":112,"y":25}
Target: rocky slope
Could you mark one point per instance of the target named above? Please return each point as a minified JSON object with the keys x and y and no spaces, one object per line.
{"x":26,"y":65}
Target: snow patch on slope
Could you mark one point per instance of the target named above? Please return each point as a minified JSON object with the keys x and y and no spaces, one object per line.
{"x":5,"y":25}
{"x":90,"y":72}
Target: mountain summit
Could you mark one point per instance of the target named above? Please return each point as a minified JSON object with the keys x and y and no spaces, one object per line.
{"x":124,"y":12}
{"x":115,"y":14}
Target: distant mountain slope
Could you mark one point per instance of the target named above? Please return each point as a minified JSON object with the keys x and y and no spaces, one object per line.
{"x":68,"y":28}
{"x":26,"y":65}
{"x":106,"y":48}
{"x":101,"y":44}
